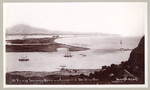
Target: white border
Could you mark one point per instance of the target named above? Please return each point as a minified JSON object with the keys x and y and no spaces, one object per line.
{"x":82,"y":86}
{"x":4,"y":50}
{"x":146,"y":46}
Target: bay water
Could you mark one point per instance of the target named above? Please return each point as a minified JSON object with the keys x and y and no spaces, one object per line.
{"x":103,"y":50}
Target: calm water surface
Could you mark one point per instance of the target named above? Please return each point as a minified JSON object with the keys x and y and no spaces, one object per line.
{"x":103,"y":51}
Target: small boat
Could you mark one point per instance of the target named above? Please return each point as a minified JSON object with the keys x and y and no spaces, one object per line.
{"x":83,"y":55}
{"x":63,"y":68}
{"x":68,"y":55}
{"x":24,"y":59}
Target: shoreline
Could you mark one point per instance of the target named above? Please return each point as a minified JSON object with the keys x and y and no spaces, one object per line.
{"x":65,"y":72}
{"x":39,"y":45}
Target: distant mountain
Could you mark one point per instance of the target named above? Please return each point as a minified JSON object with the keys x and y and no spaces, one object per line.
{"x":22,"y":29}
{"x":26,"y":29}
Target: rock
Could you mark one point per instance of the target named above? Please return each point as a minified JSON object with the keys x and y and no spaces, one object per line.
{"x":136,"y":58}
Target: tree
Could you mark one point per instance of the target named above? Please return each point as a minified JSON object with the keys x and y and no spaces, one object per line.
{"x":82,"y":76}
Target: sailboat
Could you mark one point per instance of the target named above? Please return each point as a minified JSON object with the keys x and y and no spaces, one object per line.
{"x":24,"y":59}
{"x":68,"y":55}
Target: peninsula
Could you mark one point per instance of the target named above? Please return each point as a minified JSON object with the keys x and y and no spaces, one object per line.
{"x":38,"y":45}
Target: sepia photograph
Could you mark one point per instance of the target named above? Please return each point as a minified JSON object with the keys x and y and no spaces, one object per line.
{"x":75,"y":43}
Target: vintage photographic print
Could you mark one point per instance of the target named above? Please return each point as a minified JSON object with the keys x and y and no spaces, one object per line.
{"x":75,"y":43}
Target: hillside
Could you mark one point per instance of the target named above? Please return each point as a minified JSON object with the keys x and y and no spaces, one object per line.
{"x":26,"y":29}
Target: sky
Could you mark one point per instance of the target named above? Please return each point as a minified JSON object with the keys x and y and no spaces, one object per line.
{"x":126,"y":19}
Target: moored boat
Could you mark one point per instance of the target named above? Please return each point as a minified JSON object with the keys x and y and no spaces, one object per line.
{"x":24,"y":59}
